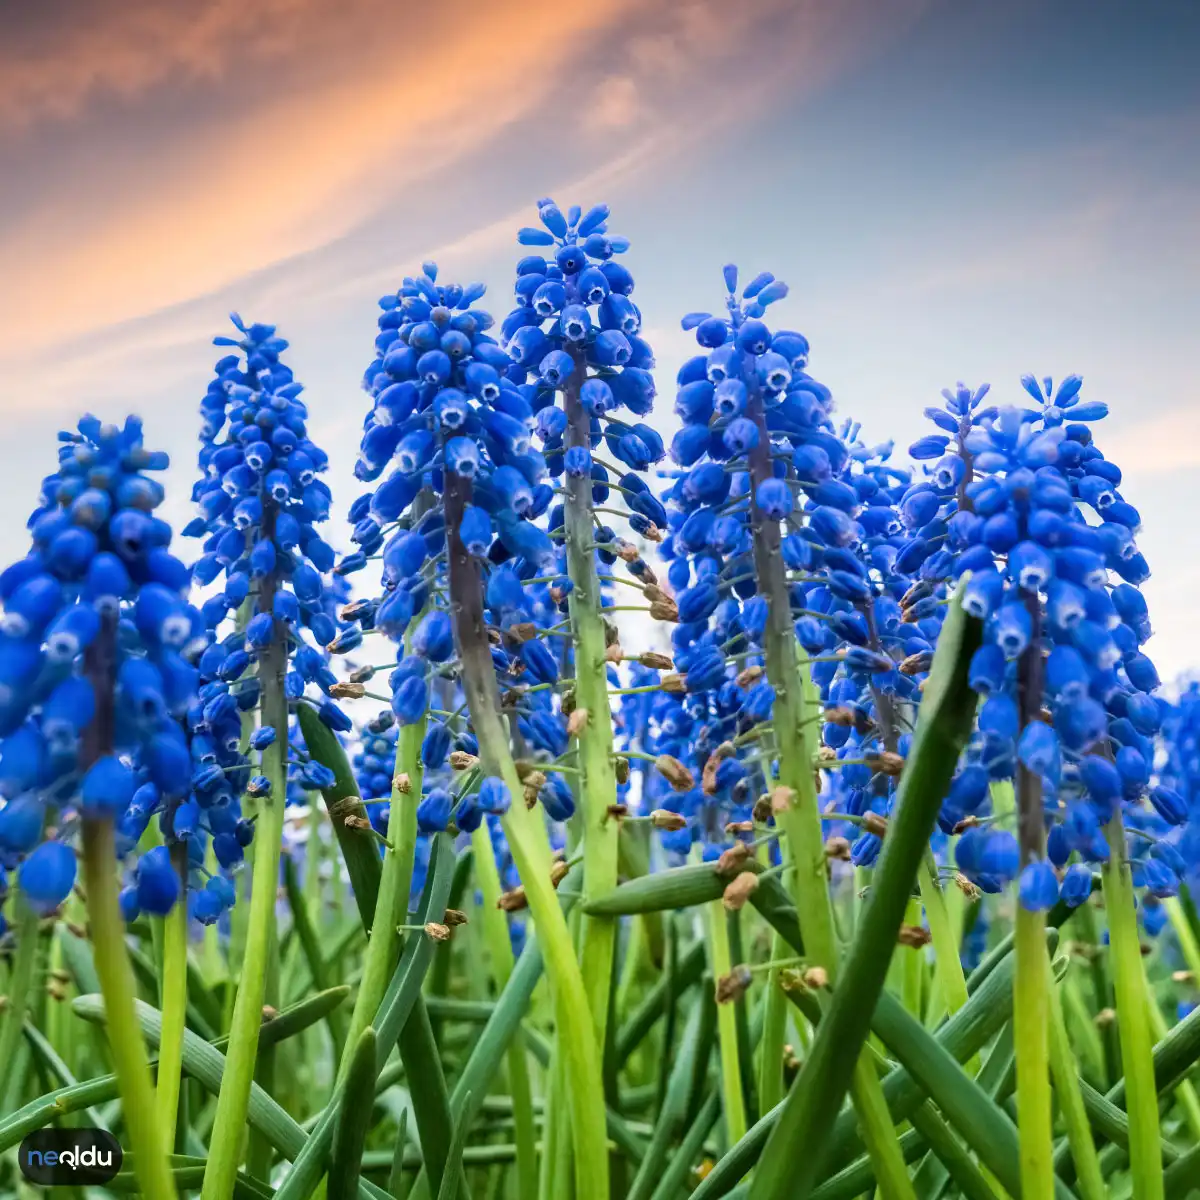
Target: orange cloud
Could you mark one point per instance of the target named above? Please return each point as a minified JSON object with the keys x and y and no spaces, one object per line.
{"x":346,"y":114}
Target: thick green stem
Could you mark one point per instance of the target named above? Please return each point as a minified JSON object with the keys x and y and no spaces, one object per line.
{"x":879,"y":1133}
{"x":531,"y":853}
{"x":1133,"y":1022}
{"x":795,"y":738}
{"x":733,"y":1101}
{"x":598,"y":781}
{"x":1031,"y":1017}
{"x":19,"y":985}
{"x":395,"y":883}
{"x":230,"y":1122}
{"x":174,"y":1000}
{"x":124,"y":1034}
{"x":1188,"y":945}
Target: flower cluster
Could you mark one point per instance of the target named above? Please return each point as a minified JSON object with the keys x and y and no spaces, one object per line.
{"x":97,"y":669}
{"x":1024,"y":500}
{"x":260,"y":500}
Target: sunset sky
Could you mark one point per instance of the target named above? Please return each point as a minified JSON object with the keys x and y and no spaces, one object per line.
{"x":954,"y":189}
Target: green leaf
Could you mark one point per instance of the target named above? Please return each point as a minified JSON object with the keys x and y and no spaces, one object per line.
{"x":811,"y":1107}
{"x":453,"y":1166}
{"x":358,"y":845}
{"x":353,"y":1119}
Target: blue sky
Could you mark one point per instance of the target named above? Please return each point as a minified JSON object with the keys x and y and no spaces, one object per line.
{"x":953,"y":190}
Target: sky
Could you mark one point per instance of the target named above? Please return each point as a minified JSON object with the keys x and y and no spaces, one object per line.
{"x":953,"y":189}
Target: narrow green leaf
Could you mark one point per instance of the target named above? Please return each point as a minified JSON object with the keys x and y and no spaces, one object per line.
{"x":453,"y":1166}
{"x":811,"y":1107}
{"x":653,"y":1004}
{"x":358,"y":845}
{"x":675,"y":1176}
{"x":303,"y":925}
{"x":353,"y":1119}
{"x":395,"y":1184}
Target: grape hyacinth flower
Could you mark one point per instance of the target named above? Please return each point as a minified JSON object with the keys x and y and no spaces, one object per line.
{"x":260,"y":500}
{"x":756,"y":427}
{"x":456,"y":525}
{"x":97,"y":644}
{"x":1025,"y":501}
{"x":575,"y":344}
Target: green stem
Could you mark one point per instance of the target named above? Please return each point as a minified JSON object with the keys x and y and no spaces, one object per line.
{"x":18,"y":987}
{"x":530,"y":848}
{"x":732,"y":1098}
{"x":1031,"y":1016}
{"x":391,"y":909}
{"x":1133,"y":1024}
{"x":124,"y":1034}
{"x":879,"y":1133}
{"x":795,"y":740}
{"x":1188,"y":945}
{"x":230,"y":1121}
{"x":774,"y":1031}
{"x":947,"y":962}
{"x":599,"y":782}
{"x":1031,"y":987}
{"x":1070,"y":1103}
{"x":174,"y":1000}
{"x":499,"y":944}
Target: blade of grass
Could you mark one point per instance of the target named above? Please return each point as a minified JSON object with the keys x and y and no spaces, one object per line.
{"x":811,"y":1107}
{"x":453,"y":1171}
{"x":353,"y":1119}
{"x":395,"y":1183}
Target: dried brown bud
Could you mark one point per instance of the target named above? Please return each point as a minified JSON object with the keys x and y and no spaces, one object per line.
{"x":875,"y":823}
{"x":460,"y":760}
{"x":439,"y":933}
{"x":968,"y":822}
{"x":733,"y":828}
{"x":648,"y":576}
{"x":511,"y":697}
{"x":60,"y":976}
{"x":455,"y":917}
{"x":1182,"y":977}
{"x":354,"y":821}
{"x":915,"y":936}
{"x":269,"y":1013}
{"x":1105,"y":1017}
{"x":80,"y":931}
{"x":839,"y":716}
{"x":557,"y":595}
{"x":362,"y":674}
{"x":733,"y":986}
{"x":917,"y":664}
{"x":653,"y":592}
{"x":616,"y":812}
{"x":522,"y":631}
{"x":347,"y":691}
{"x":535,"y":780}
{"x":577,"y":722}
{"x":675,"y":773}
{"x":651,"y":533}
{"x":513,"y":901}
{"x":656,"y":661}
{"x":826,"y":754}
{"x":54,"y":991}
{"x":738,"y":891}
{"x":732,"y":858}
{"x":749,"y":677}
{"x":964,"y":885}
{"x":612,"y":635}
{"x":782,"y":798}
{"x":816,"y":978}
{"x":661,"y":818}
{"x":918,"y":591}
{"x":558,"y":872}
{"x":626,"y":552}
{"x":402,"y":783}
{"x":493,"y":636}
{"x":674,"y":683}
{"x":621,"y":767}
{"x":664,"y":610}
{"x":838,"y":848}
{"x":614,"y":654}
{"x":762,"y":809}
